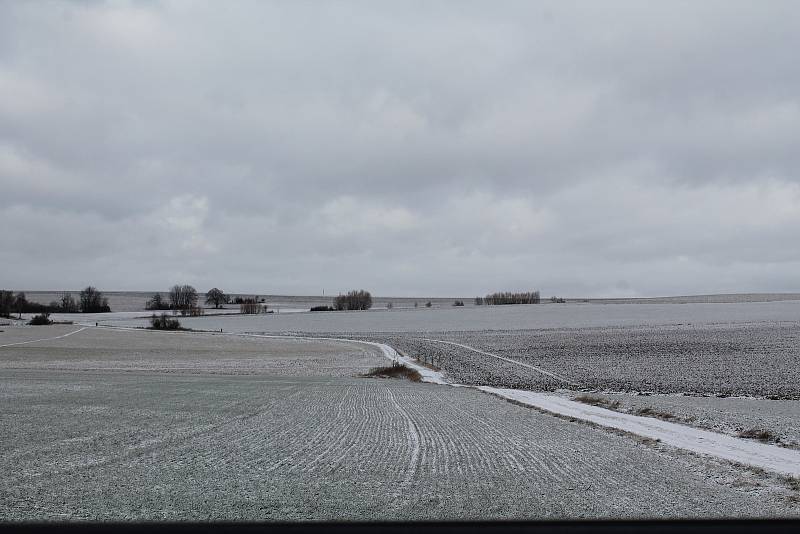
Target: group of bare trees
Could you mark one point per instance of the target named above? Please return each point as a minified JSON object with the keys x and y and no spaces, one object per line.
{"x":11,"y":303}
{"x":353,"y":300}
{"x":250,"y":305}
{"x":90,"y":300}
{"x":508,"y":297}
{"x":183,"y":298}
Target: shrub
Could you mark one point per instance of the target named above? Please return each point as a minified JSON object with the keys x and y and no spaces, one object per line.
{"x":557,"y":300}
{"x":354,"y":300}
{"x":428,"y":304}
{"x":458,"y":303}
{"x":323,"y":308}
{"x":597,"y":401}
{"x":652,"y":412}
{"x":396,"y":370}
{"x":756,"y":433}
{"x":40,"y":320}
{"x":507,"y":297}
{"x":164,"y":322}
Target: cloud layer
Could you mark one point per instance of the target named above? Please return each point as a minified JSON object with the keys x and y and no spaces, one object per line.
{"x":428,"y":148}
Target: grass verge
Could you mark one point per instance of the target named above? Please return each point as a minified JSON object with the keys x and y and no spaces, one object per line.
{"x":652,"y":412}
{"x":757,"y":433}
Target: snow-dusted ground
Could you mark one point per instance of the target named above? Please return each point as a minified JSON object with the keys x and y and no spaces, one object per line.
{"x":726,"y":447}
{"x":728,"y":415}
{"x":777,"y":459}
{"x":734,"y":359}
{"x":129,"y":424}
{"x":482,"y":318}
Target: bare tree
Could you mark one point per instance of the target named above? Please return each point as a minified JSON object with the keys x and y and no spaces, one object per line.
{"x":93,"y":301}
{"x":67,"y":303}
{"x":20,"y":302}
{"x":183,"y":298}
{"x":216,"y":297}
{"x":6,"y":302}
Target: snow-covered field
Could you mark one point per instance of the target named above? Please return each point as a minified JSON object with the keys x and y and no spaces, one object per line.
{"x":114,"y":424}
{"x":484,"y":318}
{"x":760,"y":359}
{"x":120,"y":423}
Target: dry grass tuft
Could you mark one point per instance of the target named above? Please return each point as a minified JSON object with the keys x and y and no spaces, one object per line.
{"x":757,"y":433}
{"x":651,"y":412}
{"x":597,"y":401}
{"x":394,"y":371}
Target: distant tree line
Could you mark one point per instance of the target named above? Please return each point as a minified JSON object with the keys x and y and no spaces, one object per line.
{"x":508,"y":297}
{"x":183,"y":299}
{"x":353,"y":300}
{"x":90,"y":300}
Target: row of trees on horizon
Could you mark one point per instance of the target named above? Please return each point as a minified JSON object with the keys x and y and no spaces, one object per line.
{"x":90,"y":300}
{"x":184,"y":298}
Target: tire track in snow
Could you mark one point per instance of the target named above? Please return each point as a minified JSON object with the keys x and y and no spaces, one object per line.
{"x":413,"y":438}
{"x":43,"y":339}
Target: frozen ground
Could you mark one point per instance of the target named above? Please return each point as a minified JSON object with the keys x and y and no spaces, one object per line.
{"x":782,"y":460}
{"x":729,"y":415}
{"x":106,"y":349}
{"x":483,"y":318}
{"x":140,"y":439}
{"x":733,"y":359}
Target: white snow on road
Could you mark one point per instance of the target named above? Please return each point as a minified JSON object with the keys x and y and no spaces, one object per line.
{"x":778,"y":459}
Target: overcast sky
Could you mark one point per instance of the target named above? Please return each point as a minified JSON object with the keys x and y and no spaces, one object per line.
{"x":410,"y":148}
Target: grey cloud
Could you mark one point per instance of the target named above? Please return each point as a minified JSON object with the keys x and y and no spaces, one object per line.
{"x":434,"y":147}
